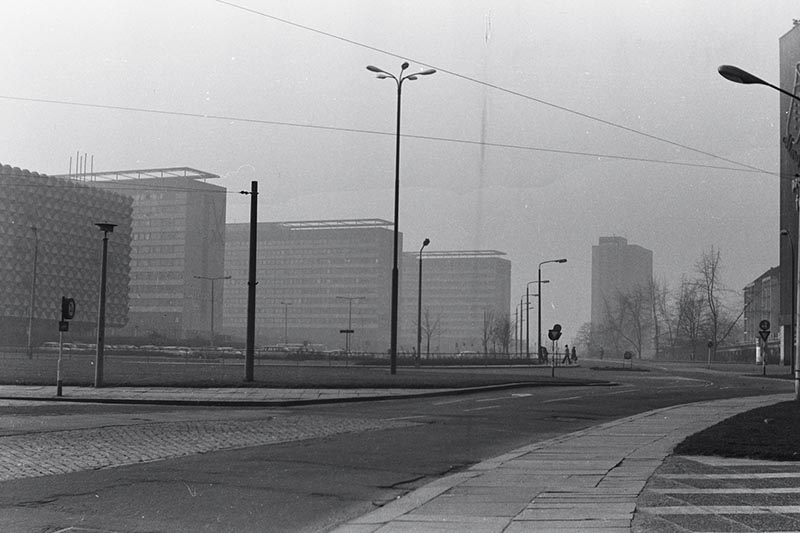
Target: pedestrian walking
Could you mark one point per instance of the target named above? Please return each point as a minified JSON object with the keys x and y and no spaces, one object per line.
{"x":566,"y":355}
{"x":574,"y":356}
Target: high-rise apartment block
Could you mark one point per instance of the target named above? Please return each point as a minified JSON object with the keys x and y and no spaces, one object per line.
{"x":463,"y":294}
{"x":315,"y":279}
{"x":619,"y":270}
{"x":177,"y":249}
{"x":52,"y":248}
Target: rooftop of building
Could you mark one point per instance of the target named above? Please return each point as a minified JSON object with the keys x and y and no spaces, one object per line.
{"x":141,"y":174}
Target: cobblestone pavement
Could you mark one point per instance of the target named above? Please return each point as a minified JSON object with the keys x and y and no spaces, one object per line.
{"x":718,"y":494}
{"x":59,"y":452}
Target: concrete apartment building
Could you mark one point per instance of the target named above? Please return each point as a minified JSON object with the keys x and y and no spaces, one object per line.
{"x":618,"y":268}
{"x":177,"y":249}
{"x":461,"y":290}
{"x":315,"y":278}
{"x":51,"y":247}
{"x":789,"y":46}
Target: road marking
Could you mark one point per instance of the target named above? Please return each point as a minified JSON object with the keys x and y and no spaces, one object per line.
{"x":721,"y":509}
{"x":521,"y":395}
{"x":761,"y":475}
{"x":563,"y":399}
{"x":482,"y":408}
{"x":738,"y":490}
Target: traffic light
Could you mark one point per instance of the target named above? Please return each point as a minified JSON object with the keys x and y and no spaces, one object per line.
{"x":67,"y":308}
{"x":555,"y":333}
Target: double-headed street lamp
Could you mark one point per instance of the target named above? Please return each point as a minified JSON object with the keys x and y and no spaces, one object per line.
{"x":399,"y":79}
{"x":286,"y":322}
{"x":425,"y":243}
{"x":539,"y":281}
{"x":528,"y":316}
{"x":212,"y":279}
{"x":738,"y":75}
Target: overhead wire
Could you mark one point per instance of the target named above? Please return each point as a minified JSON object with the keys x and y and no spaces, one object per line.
{"x":496,"y":87}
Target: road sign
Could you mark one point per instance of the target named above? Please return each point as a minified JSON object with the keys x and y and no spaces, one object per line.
{"x":764,"y":335}
{"x":347,"y":331}
{"x":764,"y":325}
{"x":63,"y":325}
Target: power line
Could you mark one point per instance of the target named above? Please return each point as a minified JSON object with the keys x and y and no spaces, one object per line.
{"x":497,"y":87}
{"x":383,"y":133}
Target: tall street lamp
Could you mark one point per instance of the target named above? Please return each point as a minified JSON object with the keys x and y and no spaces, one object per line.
{"x":738,"y":75}
{"x":286,"y":322}
{"x":528,"y":317}
{"x":106,"y":228}
{"x":33,"y":291}
{"x":399,"y":79}
{"x":785,"y":232}
{"x":539,"y":336}
{"x":349,"y":331}
{"x":212,"y":280}
{"x":425,"y":243}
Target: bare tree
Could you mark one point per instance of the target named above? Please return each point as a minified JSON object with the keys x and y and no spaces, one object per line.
{"x":488,"y":329}
{"x":503,"y":332}
{"x":689,"y":310}
{"x":583,"y":338}
{"x":431,"y":325}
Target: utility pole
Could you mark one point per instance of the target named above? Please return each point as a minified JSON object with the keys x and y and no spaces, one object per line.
{"x":249,"y":356}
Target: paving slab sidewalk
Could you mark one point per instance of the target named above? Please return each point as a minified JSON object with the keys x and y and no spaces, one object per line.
{"x":589,"y":480}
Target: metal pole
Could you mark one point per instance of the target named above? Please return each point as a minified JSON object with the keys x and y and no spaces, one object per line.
{"x":539,"y":331}
{"x":528,"y":322}
{"x":33,"y":292}
{"x":425,"y":243}
{"x":249,"y":357}
{"x":58,"y":366}
{"x":796,"y":320}
{"x":395,"y":273}
{"x":101,"y":316}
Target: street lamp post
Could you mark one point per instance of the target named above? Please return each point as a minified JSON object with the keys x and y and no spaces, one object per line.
{"x":106,"y":228}
{"x":425,"y":243}
{"x":286,"y":322}
{"x":212,"y":280}
{"x":33,"y":291}
{"x":347,"y":332}
{"x":539,"y":281}
{"x":785,"y":232}
{"x":399,"y":79}
{"x":738,"y":75}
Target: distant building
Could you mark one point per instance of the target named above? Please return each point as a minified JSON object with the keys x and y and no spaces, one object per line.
{"x":762,"y":302}
{"x":178,"y":246}
{"x":463,"y":293}
{"x":789,"y":117}
{"x":48,"y":224}
{"x":618,"y":269}
{"x":315,"y":279}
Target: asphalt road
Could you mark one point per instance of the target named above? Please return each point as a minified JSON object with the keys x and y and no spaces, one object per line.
{"x":297,"y":469}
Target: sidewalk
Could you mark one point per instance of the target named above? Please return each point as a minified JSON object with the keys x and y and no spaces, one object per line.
{"x":589,"y":480}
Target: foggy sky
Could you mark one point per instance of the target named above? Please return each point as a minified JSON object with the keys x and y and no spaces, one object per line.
{"x":648,"y":66}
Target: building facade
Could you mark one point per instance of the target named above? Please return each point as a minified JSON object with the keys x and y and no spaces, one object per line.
{"x":463,"y":294}
{"x":790,"y":166}
{"x":52,"y":248}
{"x":315,"y":279}
{"x":177,"y":251}
{"x":619,"y":270}
{"x":762,"y":302}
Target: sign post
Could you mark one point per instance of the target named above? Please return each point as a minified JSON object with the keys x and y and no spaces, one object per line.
{"x":764,"y":333}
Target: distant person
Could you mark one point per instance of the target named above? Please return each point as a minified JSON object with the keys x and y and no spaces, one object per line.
{"x":566,"y":355}
{"x":542,"y":354}
{"x":601,"y":352}
{"x":574,"y":356}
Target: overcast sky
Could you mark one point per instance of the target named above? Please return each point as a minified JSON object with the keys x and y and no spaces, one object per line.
{"x":539,"y":83}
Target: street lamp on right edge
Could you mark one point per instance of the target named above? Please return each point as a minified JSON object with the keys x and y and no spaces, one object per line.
{"x":737,"y":75}
{"x":539,"y":281}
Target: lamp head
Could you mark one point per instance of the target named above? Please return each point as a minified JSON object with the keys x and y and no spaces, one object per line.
{"x":106,"y":227}
{"x":373,"y":69}
{"x":426,"y":242}
{"x":561,"y":260}
{"x":404,"y":65}
{"x":737,"y":75}
{"x":785,"y":232}
{"x":427,"y":72}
